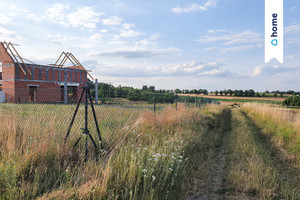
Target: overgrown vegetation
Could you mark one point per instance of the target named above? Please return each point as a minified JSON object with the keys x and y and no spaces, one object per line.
{"x":149,"y":157}
{"x":281,"y":124}
{"x":253,"y":168}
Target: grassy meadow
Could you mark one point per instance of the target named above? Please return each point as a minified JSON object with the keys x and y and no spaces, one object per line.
{"x":209,"y":152}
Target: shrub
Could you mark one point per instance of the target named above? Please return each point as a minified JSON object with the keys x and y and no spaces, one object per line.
{"x":292,"y":101}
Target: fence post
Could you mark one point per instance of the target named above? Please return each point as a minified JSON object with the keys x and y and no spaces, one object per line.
{"x":96,"y":91}
{"x":65,"y":89}
{"x":176,"y":96}
{"x":188,"y":103}
{"x":154,"y":102}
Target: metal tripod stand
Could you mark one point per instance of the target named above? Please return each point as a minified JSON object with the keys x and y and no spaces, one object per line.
{"x":86,"y":132}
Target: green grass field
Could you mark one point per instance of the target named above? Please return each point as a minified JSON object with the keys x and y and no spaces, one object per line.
{"x":249,"y":100}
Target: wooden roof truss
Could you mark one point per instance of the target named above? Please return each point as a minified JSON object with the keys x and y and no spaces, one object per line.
{"x":65,"y":56}
{"x":16,"y":56}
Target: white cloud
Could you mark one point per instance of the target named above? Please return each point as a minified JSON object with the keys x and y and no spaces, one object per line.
{"x":57,"y":13}
{"x":133,"y":53}
{"x":213,"y":72}
{"x":214,"y":31}
{"x":195,"y":7}
{"x":8,"y":35}
{"x":275,"y":70}
{"x":60,"y":40}
{"x":230,"y":49}
{"x":150,"y":41}
{"x":292,"y":41}
{"x":84,"y":17}
{"x":127,"y":31}
{"x":4,"y":19}
{"x":187,"y":69}
{"x":114,"y":20}
{"x":293,"y":29}
{"x":257,"y":71}
{"x":10,"y":13}
{"x":237,"y":48}
{"x":96,"y":37}
{"x":232,"y":38}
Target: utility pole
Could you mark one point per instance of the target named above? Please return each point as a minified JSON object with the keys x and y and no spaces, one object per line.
{"x":154,"y":102}
{"x":96,"y":91}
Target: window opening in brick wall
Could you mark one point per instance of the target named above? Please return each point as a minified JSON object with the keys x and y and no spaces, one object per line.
{"x":33,"y":93}
{"x":72,"y":93}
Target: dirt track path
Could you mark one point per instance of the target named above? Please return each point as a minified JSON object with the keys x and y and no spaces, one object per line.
{"x":209,"y":182}
{"x":236,"y":163}
{"x":210,"y":186}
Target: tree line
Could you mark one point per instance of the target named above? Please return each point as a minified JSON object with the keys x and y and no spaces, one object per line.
{"x":252,"y":93}
{"x":146,"y":93}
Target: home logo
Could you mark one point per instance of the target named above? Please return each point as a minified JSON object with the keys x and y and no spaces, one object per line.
{"x":274,"y":30}
{"x":274,"y":42}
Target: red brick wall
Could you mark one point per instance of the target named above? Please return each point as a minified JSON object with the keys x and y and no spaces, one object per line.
{"x":47,"y":90}
{"x":4,"y":56}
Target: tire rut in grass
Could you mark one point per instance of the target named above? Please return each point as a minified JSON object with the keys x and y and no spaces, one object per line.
{"x":240,"y":162}
{"x":209,"y":182}
{"x":288,"y":174}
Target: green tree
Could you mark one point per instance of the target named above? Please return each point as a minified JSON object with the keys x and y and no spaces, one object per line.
{"x":292,"y":101}
{"x":178,"y":91}
{"x":281,"y":94}
{"x":152,"y":88}
{"x":145,"y":87}
{"x":236,"y":93}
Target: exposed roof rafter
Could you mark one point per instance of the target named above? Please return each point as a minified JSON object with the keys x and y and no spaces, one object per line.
{"x":15,"y":54}
{"x":65,"y":56}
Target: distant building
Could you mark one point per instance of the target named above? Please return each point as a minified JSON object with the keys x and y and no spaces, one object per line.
{"x":23,"y":82}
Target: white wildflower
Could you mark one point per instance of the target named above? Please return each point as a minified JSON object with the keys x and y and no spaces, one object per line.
{"x":153,"y":178}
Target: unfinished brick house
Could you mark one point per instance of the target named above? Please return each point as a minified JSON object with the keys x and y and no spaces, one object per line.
{"x":24,"y":82}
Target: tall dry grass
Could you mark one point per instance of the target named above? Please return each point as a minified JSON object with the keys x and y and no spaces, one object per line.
{"x":252,"y":167}
{"x":282,"y":124}
{"x":145,"y":158}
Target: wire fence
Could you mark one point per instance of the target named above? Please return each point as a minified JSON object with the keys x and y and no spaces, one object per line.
{"x":48,"y":112}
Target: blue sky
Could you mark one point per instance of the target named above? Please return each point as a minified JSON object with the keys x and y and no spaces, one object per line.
{"x":212,"y":44}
